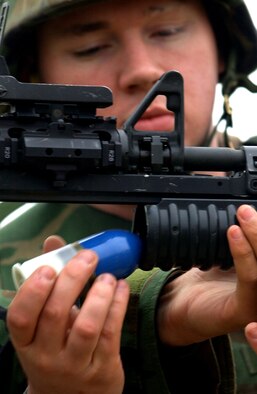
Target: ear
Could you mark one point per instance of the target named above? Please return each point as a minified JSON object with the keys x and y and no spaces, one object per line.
{"x":221,"y":65}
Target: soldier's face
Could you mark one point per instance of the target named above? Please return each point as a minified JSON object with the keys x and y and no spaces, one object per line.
{"x":127,"y":46}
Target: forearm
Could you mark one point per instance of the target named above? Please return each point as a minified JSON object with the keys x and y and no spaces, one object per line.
{"x":205,"y":304}
{"x":181,"y":322}
{"x":173,"y":317}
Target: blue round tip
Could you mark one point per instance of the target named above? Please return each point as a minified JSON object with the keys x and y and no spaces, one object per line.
{"x":119,"y":251}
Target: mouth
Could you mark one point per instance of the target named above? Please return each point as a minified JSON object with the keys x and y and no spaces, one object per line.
{"x":161,"y":123}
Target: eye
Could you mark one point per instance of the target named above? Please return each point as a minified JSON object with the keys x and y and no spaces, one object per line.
{"x":168,"y":31}
{"x":91,"y":51}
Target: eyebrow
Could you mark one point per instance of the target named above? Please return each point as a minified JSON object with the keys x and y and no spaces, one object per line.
{"x":79,"y":29}
{"x":163,"y":8}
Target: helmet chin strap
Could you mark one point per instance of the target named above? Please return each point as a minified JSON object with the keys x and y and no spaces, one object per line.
{"x":230,"y":81}
{"x":227,"y":118}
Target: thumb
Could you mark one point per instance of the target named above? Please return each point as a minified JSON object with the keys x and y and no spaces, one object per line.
{"x":53,"y":242}
{"x":251,"y":335}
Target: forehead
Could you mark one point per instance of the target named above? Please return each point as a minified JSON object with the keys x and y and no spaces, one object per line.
{"x":109,"y":10}
{"x":148,"y":5}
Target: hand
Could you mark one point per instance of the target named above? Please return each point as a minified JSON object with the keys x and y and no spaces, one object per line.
{"x":64,"y":349}
{"x":200,"y":305}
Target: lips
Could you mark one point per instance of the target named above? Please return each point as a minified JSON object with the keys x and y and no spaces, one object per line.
{"x":159,"y":122}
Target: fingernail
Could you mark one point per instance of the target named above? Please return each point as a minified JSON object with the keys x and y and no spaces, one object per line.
{"x":106,"y":278}
{"x":235,"y":232}
{"x":252,"y":331}
{"x":247,"y":213}
{"x":122,"y":284}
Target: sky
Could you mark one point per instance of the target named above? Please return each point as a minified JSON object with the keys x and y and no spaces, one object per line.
{"x":243,"y":103}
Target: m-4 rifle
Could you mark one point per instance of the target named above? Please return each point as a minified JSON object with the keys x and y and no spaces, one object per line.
{"x":54,"y":148}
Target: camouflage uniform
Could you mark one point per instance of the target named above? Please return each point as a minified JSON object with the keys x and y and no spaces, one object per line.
{"x":149,"y":367}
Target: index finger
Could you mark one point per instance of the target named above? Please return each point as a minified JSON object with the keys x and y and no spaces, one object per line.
{"x":25,"y":309}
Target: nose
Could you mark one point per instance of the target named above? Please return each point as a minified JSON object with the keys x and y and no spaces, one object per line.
{"x":139,"y":68}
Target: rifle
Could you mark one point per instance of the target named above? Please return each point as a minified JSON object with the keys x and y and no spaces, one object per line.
{"x":54,"y":148}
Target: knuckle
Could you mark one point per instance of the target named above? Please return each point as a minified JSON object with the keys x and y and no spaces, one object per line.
{"x":108,"y":333}
{"x":250,"y":279}
{"x":17,"y":320}
{"x":72,"y":271}
{"x":87,"y":330}
{"x":245,"y":254}
{"x":43,"y":363}
{"x":253,"y":230}
{"x":52,"y":312}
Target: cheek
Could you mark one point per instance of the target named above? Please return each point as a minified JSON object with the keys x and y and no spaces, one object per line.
{"x":58,"y":68}
{"x":199,"y":90}
{"x":199,"y":100}
{"x":198,"y":118}
{"x":52,"y":70}
{"x":63,"y":71}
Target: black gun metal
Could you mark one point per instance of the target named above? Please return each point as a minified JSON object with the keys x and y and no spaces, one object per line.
{"x":55,"y":148}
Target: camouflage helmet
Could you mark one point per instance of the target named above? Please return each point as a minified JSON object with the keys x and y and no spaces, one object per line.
{"x":233,"y":27}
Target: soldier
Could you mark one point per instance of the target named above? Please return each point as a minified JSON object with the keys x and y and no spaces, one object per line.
{"x":170,"y":336}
